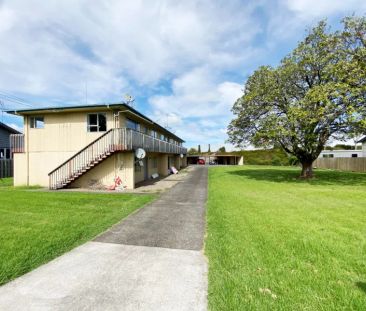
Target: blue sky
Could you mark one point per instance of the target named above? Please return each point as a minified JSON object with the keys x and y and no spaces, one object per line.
{"x":185,"y":62}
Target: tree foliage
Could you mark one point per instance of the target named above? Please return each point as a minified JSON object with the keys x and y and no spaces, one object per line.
{"x":192,"y":151}
{"x":317,"y":92}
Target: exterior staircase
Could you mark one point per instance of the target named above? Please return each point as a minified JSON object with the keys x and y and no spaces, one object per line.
{"x":114,"y":140}
{"x":86,"y":159}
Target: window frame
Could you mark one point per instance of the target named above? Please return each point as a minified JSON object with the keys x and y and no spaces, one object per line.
{"x":97,"y":126}
{"x":137,"y":126}
{"x":33,"y":122}
{"x":5,"y":154}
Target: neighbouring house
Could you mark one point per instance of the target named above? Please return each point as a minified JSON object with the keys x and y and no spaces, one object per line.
{"x":341,"y":154}
{"x":5,"y":132}
{"x":359,"y":153}
{"x":363,"y":142}
{"x":216,"y":158}
{"x":92,"y":146}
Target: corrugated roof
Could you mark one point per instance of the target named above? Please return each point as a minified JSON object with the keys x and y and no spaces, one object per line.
{"x":8,"y":128}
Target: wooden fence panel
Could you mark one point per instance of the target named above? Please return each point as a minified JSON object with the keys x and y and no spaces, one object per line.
{"x":6,"y":168}
{"x":342,"y":164}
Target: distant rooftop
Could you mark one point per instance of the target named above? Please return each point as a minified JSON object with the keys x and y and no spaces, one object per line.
{"x":8,"y":128}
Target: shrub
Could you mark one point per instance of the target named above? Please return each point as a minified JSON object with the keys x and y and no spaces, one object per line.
{"x":275,"y":157}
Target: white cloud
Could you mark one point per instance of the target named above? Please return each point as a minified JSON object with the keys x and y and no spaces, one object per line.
{"x":7,"y":18}
{"x":198,"y":94}
{"x":202,"y":103}
{"x":290,"y":18}
{"x":60,"y":45}
{"x":321,"y":8}
{"x":189,"y":58}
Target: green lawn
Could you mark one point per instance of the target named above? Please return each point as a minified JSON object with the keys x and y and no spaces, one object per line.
{"x":36,"y":227}
{"x":278,"y":243}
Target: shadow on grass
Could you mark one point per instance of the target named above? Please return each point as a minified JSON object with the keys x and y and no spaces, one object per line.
{"x":362,"y":286}
{"x":6,"y":182}
{"x":321,"y":177}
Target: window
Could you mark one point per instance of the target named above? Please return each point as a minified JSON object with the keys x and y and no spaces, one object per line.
{"x":97,"y":122}
{"x":354,"y":155}
{"x":144,"y":129}
{"x":130,"y":124}
{"x":164,"y":137}
{"x":328,"y":155}
{"x":37,"y":122}
{"x":153,"y":133}
{"x":5,"y":153}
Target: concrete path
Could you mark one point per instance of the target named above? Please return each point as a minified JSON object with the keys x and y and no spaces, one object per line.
{"x":152,"y":260}
{"x":176,"y":220}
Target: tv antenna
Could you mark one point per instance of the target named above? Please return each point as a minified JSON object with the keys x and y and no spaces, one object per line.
{"x":129,"y":100}
{"x":167,"y":122}
{"x":86,"y":92}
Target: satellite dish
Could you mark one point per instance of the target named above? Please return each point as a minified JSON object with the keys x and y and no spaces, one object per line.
{"x":182,"y":155}
{"x":140,"y":153}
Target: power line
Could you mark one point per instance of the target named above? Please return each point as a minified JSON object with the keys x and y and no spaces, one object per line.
{"x":9,"y":94}
{"x":14,"y":100}
{"x":10,"y":98}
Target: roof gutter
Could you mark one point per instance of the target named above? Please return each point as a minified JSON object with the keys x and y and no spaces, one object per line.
{"x":116,"y":115}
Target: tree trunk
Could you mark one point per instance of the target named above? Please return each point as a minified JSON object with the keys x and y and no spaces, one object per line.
{"x":307,"y":170}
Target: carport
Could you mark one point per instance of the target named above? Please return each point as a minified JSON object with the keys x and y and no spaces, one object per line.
{"x":218,"y":159}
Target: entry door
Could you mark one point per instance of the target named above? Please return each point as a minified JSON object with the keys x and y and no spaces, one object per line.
{"x":146,"y":168}
{"x":169,"y":162}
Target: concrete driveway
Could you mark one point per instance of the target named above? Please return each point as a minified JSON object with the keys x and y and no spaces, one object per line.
{"x":152,"y":260}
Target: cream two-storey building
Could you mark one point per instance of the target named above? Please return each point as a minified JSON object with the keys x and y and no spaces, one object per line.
{"x":92,"y":146}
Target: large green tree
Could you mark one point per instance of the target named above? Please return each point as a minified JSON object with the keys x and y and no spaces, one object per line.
{"x":316,"y":93}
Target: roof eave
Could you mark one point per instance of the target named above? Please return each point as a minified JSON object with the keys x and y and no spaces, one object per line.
{"x":24,"y":112}
{"x":9,"y":128}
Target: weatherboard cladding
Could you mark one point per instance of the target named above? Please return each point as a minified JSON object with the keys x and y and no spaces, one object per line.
{"x":113,"y":106}
{"x":5,"y":132}
{"x":4,"y":138}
